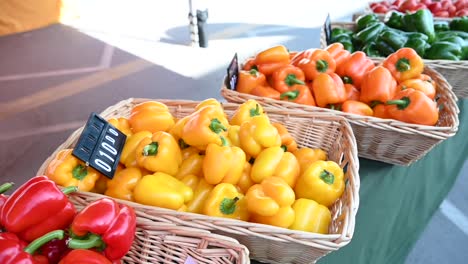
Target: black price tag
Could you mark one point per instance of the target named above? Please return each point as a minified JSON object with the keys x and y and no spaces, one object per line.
{"x":327,"y":29}
{"x":100,"y":145}
{"x":232,"y":74}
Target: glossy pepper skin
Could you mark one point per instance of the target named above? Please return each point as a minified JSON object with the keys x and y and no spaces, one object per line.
{"x":248,"y":80}
{"x":67,"y":170}
{"x":404,"y":64}
{"x":322,"y":182}
{"x":418,"y":44}
{"x":307,"y":156}
{"x":206,"y":125}
{"x":284,"y":218}
{"x":369,"y":33}
{"x":257,"y":134}
{"x":223,"y":164}
{"x":311,"y":216}
{"x":352,"y":93}
{"x":267,"y":197}
{"x":192,"y":165}
{"x":420,"y":21}
{"x":161,"y":153}
{"x":287,"y":76}
{"x":357,"y":107}
{"x":4,"y":188}
{"x":413,"y":106}
{"x":459,"y":23}
{"x":151,"y":116}
{"x":287,"y":140}
{"x":366,"y":20}
{"x":36,"y":208}
{"x":462,"y":42}
{"x":444,"y":50}
{"x":319,"y":61}
{"x":13,"y":250}
{"x":380,"y":110}
{"x":395,"y":20}
{"x":371,"y":50}
{"x":271,"y":59}
{"x":104,"y":223}
{"x":122,"y":124}
{"x":123,"y":183}
{"x":245,"y":112}
{"x":338,"y":53}
{"x":55,"y":249}
{"x":427,"y":87}
{"x":201,"y":191}
{"x":128,"y":155}
{"x":265,"y":91}
{"x":233,"y":135}
{"x":299,"y":94}
{"x":328,"y":89}
{"x":245,"y":182}
{"x":354,"y":68}
{"x":390,"y":41}
{"x":274,"y":161}
{"x":226,"y":201}
{"x":378,"y":86}
{"x":84,"y":256}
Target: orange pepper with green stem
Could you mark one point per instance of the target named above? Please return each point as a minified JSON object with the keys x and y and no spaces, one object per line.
{"x":286,"y":77}
{"x":320,"y":61}
{"x":265,"y":91}
{"x":223,"y":164}
{"x":357,"y":107}
{"x":287,"y":141}
{"x":247,"y":80}
{"x":271,"y":59}
{"x":226,"y":201}
{"x":424,"y":86}
{"x":413,"y":106}
{"x":328,"y":89}
{"x":299,"y":94}
{"x":404,"y":64}
{"x":338,"y":53}
{"x":353,"y":69}
{"x":377,"y":86}
{"x":246,"y":111}
{"x":151,"y":116}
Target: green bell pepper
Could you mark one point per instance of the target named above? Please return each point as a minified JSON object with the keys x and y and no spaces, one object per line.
{"x":384,"y":48}
{"x":419,"y":45}
{"x":371,"y":50}
{"x":445,"y":34}
{"x":370,"y":33}
{"x":459,"y":23}
{"x":444,"y":50}
{"x":365,"y":21}
{"x":441,"y":25}
{"x":395,"y":20}
{"x":459,"y":41}
{"x":420,"y":21}
{"x":393,"y":38}
{"x":416,"y":35}
{"x":339,"y":31}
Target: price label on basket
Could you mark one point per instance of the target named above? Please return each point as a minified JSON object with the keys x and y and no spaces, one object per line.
{"x":100,"y":145}
{"x":327,"y":29}
{"x":232,"y":73}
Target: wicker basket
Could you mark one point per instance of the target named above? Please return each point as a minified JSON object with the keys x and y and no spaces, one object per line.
{"x":455,"y":72}
{"x":265,"y":243}
{"x":385,"y":140}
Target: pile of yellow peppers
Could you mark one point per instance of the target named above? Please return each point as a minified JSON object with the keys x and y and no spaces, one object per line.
{"x":244,"y":167}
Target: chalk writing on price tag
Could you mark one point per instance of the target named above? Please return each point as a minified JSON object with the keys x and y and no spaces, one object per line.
{"x":100,"y":145}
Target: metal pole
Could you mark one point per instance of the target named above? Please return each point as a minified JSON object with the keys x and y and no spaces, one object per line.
{"x":192,"y":27}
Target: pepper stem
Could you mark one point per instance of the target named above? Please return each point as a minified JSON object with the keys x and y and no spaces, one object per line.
{"x":69,"y":189}
{"x":327,"y":177}
{"x":5,"y":187}
{"x":39,"y":242}
{"x":284,"y":148}
{"x":224,"y":142}
{"x":403,"y":65}
{"x":151,"y":149}
{"x":182,"y":144}
{"x":253,"y":71}
{"x":79,"y":172}
{"x":291,"y":79}
{"x":92,"y":241}
{"x":321,"y":66}
{"x":291,"y":95}
{"x":347,"y":80}
{"x":255,"y":111}
{"x":228,"y":205}
{"x":216,"y":126}
{"x":401,"y":104}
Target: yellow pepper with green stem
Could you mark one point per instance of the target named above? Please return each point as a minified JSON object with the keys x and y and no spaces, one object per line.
{"x":258,"y":134}
{"x":310,"y":216}
{"x":223,"y":164}
{"x":128,"y":155}
{"x":246,"y":111}
{"x":226,"y":201}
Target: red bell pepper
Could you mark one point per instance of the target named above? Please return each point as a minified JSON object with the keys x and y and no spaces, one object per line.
{"x":84,"y":256}
{"x":36,"y":208}
{"x":104,"y":223}
{"x":13,"y":250}
{"x":3,"y":188}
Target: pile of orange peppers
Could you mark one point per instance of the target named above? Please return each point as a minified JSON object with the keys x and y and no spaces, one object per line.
{"x":349,"y":82}
{"x":243,"y":167}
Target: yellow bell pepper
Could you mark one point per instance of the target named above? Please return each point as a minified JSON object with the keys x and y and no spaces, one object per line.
{"x":322,"y":182}
{"x":151,"y":116}
{"x":191,"y":165}
{"x":122,"y":124}
{"x":211,"y":102}
{"x":67,"y":170}
{"x":275,"y":161}
{"x":128,"y":155}
{"x":160,"y":153}
{"x":100,"y":186}
{"x":123,"y":183}
{"x":205,"y":126}
{"x":311,"y":216}
{"x":269,"y":196}
{"x":284,"y":218}
{"x":223,"y":164}
{"x":176,"y":130}
{"x":287,"y":141}
{"x":246,"y":111}
{"x":245,"y":182}
{"x":233,"y":136}
{"x":187,"y":152}
{"x":257,"y":134}
{"x":307,"y":156}
{"x":225,"y":201}
{"x":162,"y":190}
{"x":201,"y":191}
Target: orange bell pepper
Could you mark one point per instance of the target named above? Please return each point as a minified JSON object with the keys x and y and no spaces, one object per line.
{"x":299,"y":94}
{"x":378,"y":86}
{"x":356,"y":107}
{"x":320,"y":61}
{"x":380,"y":110}
{"x":287,"y":76}
{"x":271,"y":59}
{"x":248,"y":80}
{"x":429,"y":79}
{"x":338,"y":53}
{"x":404,"y":64}
{"x":353,"y":69}
{"x":301,"y":55}
{"x":287,"y":141}
{"x":151,"y":116}
{"x":265,"y":91}
{"x":122,"y":124}
{"x":352,"y":93}
{"x":413,"y":106}
{"x":249,"y":64}
{"x":328,"y":89}
{"x":424,"y":86}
